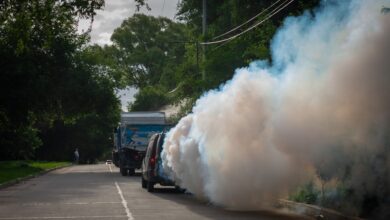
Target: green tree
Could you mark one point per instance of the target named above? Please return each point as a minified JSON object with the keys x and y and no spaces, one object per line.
{"x":146,"y":45}
{"x":220,"y":60}
{"x":46,"y":80}
{"x":98,"y":110}
{"x":223,"y":58}
{"x":147,"y":53}
{"x":148,"y":99}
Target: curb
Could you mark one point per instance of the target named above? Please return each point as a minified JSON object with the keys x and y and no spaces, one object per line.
{"x":314,"y":211}
{"x":21,"y":179}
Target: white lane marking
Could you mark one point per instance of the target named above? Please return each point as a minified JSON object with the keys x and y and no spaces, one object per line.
{"x":105,"y":202}
{"x":76,"y":203}
{"x":124,"y":203}
{"x":65,"y":217}
{"x":89,"y":203}
{"x":66,"y":203}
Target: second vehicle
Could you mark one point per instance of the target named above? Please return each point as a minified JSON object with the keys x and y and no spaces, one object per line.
{"x":152,"y":172}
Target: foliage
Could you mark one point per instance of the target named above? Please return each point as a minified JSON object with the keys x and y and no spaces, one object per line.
{"x":57,"y":93}
{"x":91,"y":130}
{"x":337,"y":195}
{"x":48,"y":79}
{"x":222,"y":59}
{"x":142,"y":3}
{"x":216,"y":62}
{"x":11,"y":170}
{"x":146,"y":52}
{"x":148,"y":99}
{"x":146,"y":45}
{"x":306,"y":194}
{"x":103,"y":60}
{"x":219,"y":61}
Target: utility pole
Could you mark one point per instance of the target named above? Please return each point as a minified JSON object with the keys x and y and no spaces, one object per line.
{"x":197,"y":56}
{"x":204,"y":18}
{"x":204,"y":26}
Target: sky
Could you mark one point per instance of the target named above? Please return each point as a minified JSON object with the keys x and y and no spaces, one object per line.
{"x":111,"y":17}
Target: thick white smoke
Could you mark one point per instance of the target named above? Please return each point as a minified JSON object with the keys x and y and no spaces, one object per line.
{"x":322,"y":107}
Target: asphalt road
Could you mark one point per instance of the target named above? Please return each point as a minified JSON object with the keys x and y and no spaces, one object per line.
{"x":100,"y":192}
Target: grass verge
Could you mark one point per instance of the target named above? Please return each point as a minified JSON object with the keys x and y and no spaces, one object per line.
{"x":12,"y":170}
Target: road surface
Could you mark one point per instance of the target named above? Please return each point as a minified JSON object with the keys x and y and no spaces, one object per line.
{"x":100,"y":192}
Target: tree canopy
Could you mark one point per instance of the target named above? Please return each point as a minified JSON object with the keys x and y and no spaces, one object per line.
{"x":57,"y":92}
{"x":203,"y":67}
{"x":46,"y":82}
{"x":148,"y":51}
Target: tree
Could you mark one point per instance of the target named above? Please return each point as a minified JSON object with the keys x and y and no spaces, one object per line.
{"x":222,"y":59}
{"x":98,"y":110}
{"x":45,"y":81}
{"x":148,"y":99}
{"x":146,"y":45}
{"x":147,"y":52}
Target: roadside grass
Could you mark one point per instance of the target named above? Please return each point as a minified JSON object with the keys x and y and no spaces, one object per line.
{"x":333,"y":194}
{"x":12,"y":170}
{"x":306,"y":194}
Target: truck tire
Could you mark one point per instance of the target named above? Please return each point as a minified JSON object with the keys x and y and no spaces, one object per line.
{"x":143,"y":182}
{"x":123,"y":171}
{"x":131,"y":171}
{"x":150,"y":186}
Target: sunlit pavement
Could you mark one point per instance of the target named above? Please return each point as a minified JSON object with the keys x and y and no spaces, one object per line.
{"x":100,"y":192}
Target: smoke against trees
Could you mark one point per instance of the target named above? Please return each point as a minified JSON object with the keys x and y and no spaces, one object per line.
{"x":321,"y":109}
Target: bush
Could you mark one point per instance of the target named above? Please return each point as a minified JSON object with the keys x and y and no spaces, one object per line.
{"x":306,"y":194}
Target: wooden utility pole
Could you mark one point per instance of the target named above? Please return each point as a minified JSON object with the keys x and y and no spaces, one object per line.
{"x":204,"y":27}
{"x":204,"y":18}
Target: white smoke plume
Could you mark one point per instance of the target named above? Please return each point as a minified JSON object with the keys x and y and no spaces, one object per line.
{"x":322,"y":107}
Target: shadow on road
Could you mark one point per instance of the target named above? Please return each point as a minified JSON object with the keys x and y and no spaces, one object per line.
{"x":88,"y":181}
{"x":212,"y":211}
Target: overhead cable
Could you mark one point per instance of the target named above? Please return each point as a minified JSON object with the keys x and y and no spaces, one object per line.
{"x":272,"y":13}
{"x":262,"y":12}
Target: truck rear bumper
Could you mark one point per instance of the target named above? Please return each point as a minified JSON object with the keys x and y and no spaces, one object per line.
{"x":130,"y":165}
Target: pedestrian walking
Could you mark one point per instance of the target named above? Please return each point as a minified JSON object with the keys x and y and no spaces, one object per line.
{"x":76,"y":156}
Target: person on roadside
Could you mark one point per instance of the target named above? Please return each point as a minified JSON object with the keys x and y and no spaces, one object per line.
{"x":76,"y":156}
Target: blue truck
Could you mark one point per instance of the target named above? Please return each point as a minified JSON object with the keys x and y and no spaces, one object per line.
{"x":131,"y":138}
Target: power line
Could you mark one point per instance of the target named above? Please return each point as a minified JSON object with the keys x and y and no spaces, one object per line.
{"x":269,"y":15}
{"x":228,"y":32}
{"x":272,"y":13}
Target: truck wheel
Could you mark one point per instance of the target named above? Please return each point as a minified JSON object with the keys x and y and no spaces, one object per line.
{"x":150,"y":186}
{"x":123,"y":171}
{"x":131,"y":172}
{"x":144,"y":183}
